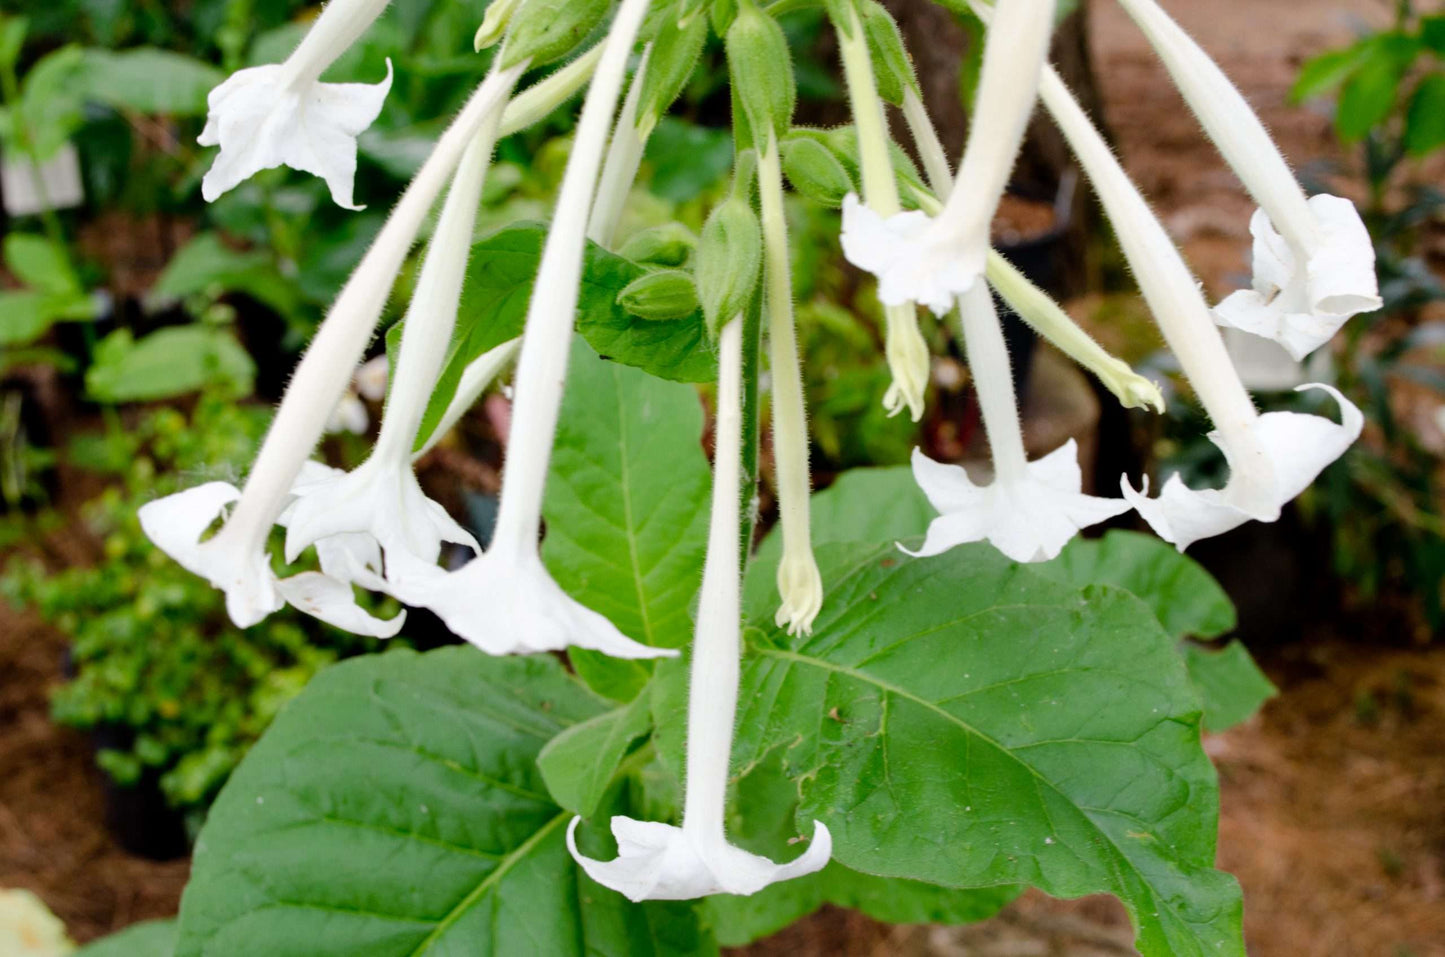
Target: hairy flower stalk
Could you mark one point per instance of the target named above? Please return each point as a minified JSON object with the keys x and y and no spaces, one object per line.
{"x":800,"y":586}
{"x":930,"y":148}
{"x":1272,"y":458}
{"x":235,"y":559}
{"x":624,"y":156}
{"x":504,"y":601}
{"x":475,"y":379}
{"x":658,"y":861}
{"x":908,"y":358}
{"x":381,"y":498}
{"x":283,"y":115}
{"x":1314,"y":262}
{"x":933,"y":260}
{"x":1031,"y":510}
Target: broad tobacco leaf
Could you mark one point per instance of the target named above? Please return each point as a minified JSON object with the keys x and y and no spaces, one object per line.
{"x":627,"y":509}
{"x":493,"y":310}
{"x":967,"y":722}
{"x":1230,"y":682}
{"x":396,"y":808}
{"x":152,"y":938}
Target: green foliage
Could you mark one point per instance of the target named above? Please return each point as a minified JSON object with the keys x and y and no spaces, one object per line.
{"x":53,"y":292}
{"x":153,"y":938}
{"x":156,"y":661}
{"x":167,"y":363}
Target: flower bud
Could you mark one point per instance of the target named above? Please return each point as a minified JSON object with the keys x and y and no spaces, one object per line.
{"x":892,"y":67}
{"x":722,"y":13}
{"x":675,"y":53}
{"x":545,"y":30}
{"x":494,"y":23}
{"x":667,"y":245}
{"x":662,"y":295}
{"x":729,"y":260}
{"x":816,"y":172}
{"x":761,"y":70}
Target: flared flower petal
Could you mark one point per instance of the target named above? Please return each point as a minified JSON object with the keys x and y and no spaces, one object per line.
{"x":914,"y":261}
{"x":1029,"y":519}
{"x":1298,"y":448}
{"x":800,"y":590}
{"x":663,"y":863}
{"x":175,"y":525}
{"x":1301,"y":305}
{"x":506,"y":603}
{"x":382,"y":501}
{"x":262,"y":118}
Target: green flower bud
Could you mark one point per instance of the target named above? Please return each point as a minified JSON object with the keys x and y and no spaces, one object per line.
{"x":674,"y":57}
{"x":729,"y":261}
{"x":892,"y":67}
{"x":761,"y":69}
{"x":494,"y":23}
{"x":545,"y":30}
{"x":662,"y":295}
{"x":722,"y":13}
{"x":815,"y":172}
{"x":843,"y":140}
{"x":667,"y":245}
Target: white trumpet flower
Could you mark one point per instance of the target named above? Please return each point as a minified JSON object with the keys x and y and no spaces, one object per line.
{"x":177,"y":522}
{"x":381,"y":498}
{"x":504,"y":601}
{"x":658,"y":861}
{"x":1271,"y":458}
{"x":800,"y":586}
{"x":235,"y":559}
{"x":283,"y":115}
{"x":1031,"y":510}
{"x":1314,"y":262}
{"x":933,"y":260}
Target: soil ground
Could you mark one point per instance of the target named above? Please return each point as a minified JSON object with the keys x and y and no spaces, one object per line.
{"x":1332,"y":797}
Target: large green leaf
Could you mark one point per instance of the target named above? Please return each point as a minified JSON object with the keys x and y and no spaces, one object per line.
{"x":966,"y":722}
{"x":395,"y":808}
{"x":863,"y":505}
{"x":1230,"y":682}
{"x":626,"y":509}
{"x":153,"y":938}
{"x":494,"y":309}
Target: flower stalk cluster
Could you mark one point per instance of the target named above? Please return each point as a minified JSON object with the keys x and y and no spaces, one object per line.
{"x":374,"y":528}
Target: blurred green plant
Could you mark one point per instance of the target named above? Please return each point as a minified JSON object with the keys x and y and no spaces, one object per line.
{"x":178,"y":693}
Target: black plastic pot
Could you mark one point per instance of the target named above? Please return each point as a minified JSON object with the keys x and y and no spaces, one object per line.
{"x":139,"y":817}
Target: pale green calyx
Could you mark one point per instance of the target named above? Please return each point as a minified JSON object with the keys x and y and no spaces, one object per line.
{"x":892,"y":68}
{"x":660,"y":296}
{"x":761,"y":69}
{"x":816,"y":172}
{"x":494,"y":23}
{"x":670,"y":244}
{"x":541,"y":31}
{"x":729,"y":261}
{"x":674,"y":57}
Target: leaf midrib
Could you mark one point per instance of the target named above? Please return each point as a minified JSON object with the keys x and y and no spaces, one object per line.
{"x":487,"y":883}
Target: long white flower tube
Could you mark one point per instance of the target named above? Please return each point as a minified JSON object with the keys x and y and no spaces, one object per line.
{"x":479,"y":374}
{"x":933,"y":260}
{"x":1314,"y":262}
{"x":624,"y":157}
{"x":235,"y":559}
{"x":659,"y":861}
{"x":504,"y":601}
{"x":381,"y":498}
{"x":800,"y":586}
{"x":908,"y":358}
{"x":1031,"y":510}
{"x":283,"y":115}
{"x":1271,"y":458}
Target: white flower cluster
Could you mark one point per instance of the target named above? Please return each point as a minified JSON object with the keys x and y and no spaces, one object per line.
{"x":374,"y":528}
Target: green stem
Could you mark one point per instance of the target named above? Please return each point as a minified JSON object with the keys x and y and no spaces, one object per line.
{"x":752,"y":416}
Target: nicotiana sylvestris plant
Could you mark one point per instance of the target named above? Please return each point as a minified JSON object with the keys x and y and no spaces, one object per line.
{"x":735,"y":736}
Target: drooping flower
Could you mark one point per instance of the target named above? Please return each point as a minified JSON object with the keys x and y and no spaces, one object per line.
{"x":658,"y":861}
{"x":932,"y":260}
{"x":1030,"y":510}
{"x":283,"y":115}
{"x":235,"y":558}
{"x":504,"y":601}
{"x":1271,"y":458}
{"x":381,"y":498}
{"x":1314,"y":262}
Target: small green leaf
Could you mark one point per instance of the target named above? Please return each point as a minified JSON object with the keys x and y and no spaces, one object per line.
{"x":40,"y":264}
{"x":169,"y":362}
{"x":1432,"y":33}
{"x":153,"y":938}
{"x":395,"y":809}
{"x":1325,"y":72}
{"x":208,"y":265}
{"x":1425,"y":122}
{"x":25,"y":316}
{"x":151,"y":80}
{"x":1367,"y":98}
{"x":1231,"y":683}
{"x":579,"y":763}
{"x":626,"y":509}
